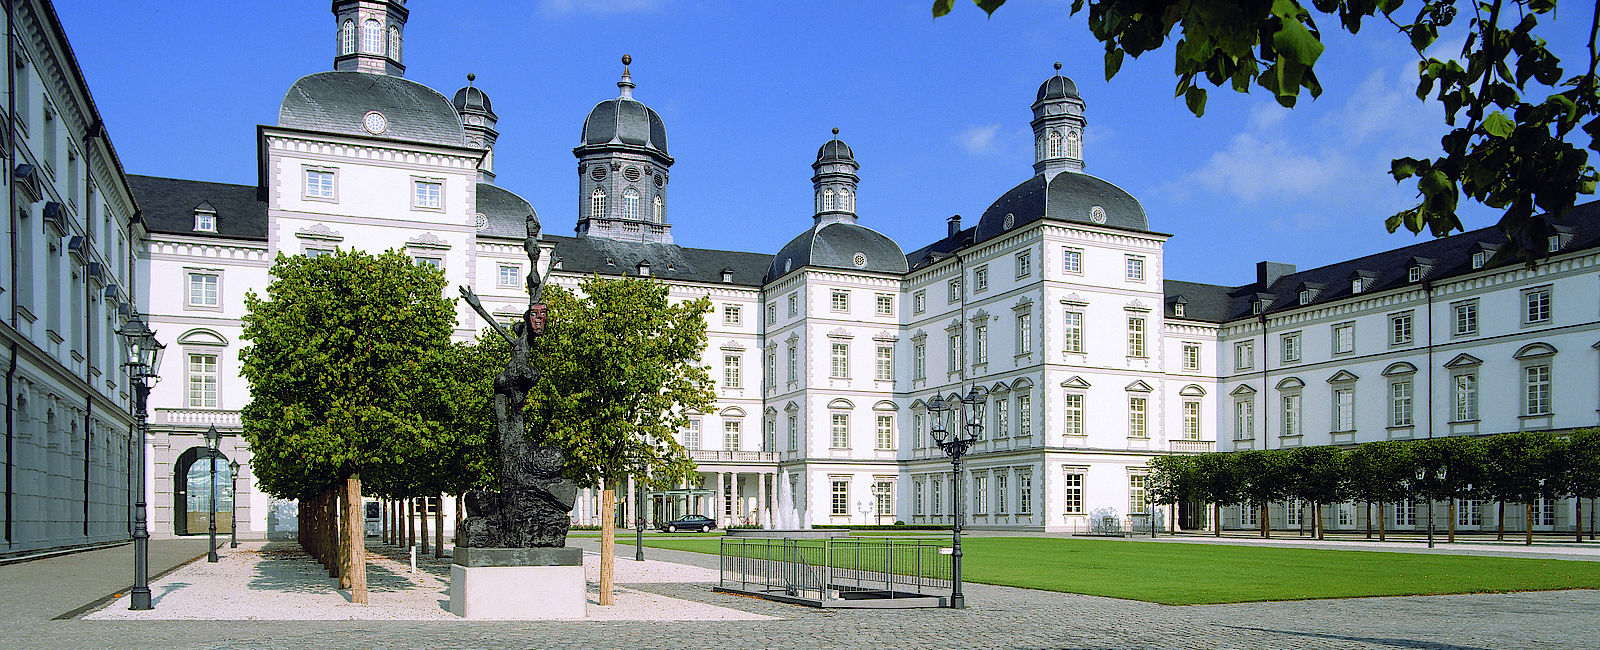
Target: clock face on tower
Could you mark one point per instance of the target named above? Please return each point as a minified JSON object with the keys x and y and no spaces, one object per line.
{"x":374,"y":122}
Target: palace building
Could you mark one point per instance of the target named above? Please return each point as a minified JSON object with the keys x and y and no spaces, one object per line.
{"x":826,"y":353}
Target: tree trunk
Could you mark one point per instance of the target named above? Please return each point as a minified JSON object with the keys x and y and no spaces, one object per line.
{"x":1453,"y":521}
{"x":1500,"y":521}
{"x":1216,"y":519}
{"x":1316,"y":524}
{"x":1266,"y":520}
{"x":461,"y":511}
{"x":1577,"y":518}
{"x":608,"y":542}
{"x":330,"y":533}
{"x":347,"y":550}
{"x":422,"y":526}
{"x":1369,"y":519}
{"x":1382,"y":529}
{"x":1527,"y":523}
{"x":356,"y":540}
{"x":438,"y":528}
{"x":411,"y":522}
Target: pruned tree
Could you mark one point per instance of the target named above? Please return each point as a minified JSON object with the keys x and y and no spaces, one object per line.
{"x":1583,"y":473}
{"x":335,"y":351}
{"x":1264,"y":476}
{"x":1448,"y":469}
{"x":622,"y":371}
{"x":1381,"y":472}
{"x":1517,"y":468}
{"x":1317,"y":476}
{"x":1217,"y":482}
{"x":1172,"y":480}
{"x":1510,"y":105}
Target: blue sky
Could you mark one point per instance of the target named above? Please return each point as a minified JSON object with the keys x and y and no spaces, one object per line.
{"x":936,"y":111}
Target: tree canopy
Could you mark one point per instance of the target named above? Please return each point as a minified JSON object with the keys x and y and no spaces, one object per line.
{"x":1510,"y":105}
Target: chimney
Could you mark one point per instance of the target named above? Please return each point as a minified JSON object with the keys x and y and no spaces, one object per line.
{"x":955,"y":225}
{"x":1269,"y":272}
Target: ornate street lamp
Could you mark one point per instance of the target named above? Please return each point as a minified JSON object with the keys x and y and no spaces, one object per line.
{"x":213,"y":440}
{"x":233,"y":506}
{"x":144,"y":359}
{"x":955,"y":445}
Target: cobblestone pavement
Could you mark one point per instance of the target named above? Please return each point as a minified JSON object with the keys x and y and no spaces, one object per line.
{"x":997,"y":617}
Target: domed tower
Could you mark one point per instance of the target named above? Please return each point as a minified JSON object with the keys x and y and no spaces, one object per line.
{"x":478,"y":121}
{"x":835,"y":182}
{"x":622,"y":170}
{"x":368,"y":35}
{"x":1058,"y":127}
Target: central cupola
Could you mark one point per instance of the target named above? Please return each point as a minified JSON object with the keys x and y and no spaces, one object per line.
{"x":1057,"y":127}
{"x":369,"y":33}
{"x":834,"y":182}
{"x":622,"y":169}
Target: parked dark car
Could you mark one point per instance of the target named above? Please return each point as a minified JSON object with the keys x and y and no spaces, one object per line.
{"x":690,"y":522}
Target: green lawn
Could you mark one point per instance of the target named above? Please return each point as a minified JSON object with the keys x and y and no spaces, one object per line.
{"x":1193,"y":574}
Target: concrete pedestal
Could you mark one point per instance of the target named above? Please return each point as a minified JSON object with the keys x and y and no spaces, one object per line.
{"x":518,"y":583}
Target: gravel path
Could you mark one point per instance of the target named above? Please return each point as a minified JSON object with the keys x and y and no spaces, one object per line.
{"x":269,"y":581}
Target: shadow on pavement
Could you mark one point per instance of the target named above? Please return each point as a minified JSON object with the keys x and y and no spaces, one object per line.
{"x":1397,"y":643}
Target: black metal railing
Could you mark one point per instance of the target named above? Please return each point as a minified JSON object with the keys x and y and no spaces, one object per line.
{"x":820,"y":570}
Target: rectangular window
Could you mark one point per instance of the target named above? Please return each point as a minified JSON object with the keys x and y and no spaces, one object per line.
{"x":1024,"y":264}
{"x":840,"y":368}
{"x":1072,"y":325}
{"x":1072,"y":494}
{"x":883,"y":493}
{"x":841,"y":496}
{"x":1544,"y":509}
{"x":1244,"y":420}
{"x":427,"y":195}
{"x":730,"y":371}
{"x":1400,"y":404}
{"x":1136,"y":418}
{"x":1291,"y":414}
{"x":840,"y":300}
{"x":1137,"y":501}
{"x":1466,"y":318}
{"x":885,"y":305}
{"x":841,"y":431}
{"x":981,"y":344}
{"x":1344,"y":409}
{"x":1025,"y":416}
{"x":917,"y":422}
{"x":1244,"y":355}
{"x":319,"y":184}
{"x":1136,"y":337}
{"x":1414,"y":274}
{"x":885,"y":365}
{"x":1000,"y":493}
{"x":886,"y":432}
{"x":691,"y":438}
{"x":1072,"y":422}
{"x":980,"y":495}
{"x":732,"y":315}
{"x":1537,"y":382}
{"x":919,"y":361}
{"x":509,"y":275}
{"x":1072,"y":261}
{"x":1479,"y":259}
{"x":1135,"y":268}
{"x":936,"y":485}
{"x":1191,"y":356}
{"x":1347,"y":514}
{"x":958,"y":354}
{"x":771,"y":376}
{"x":1002,"y":413}
{"x":1466,"y":397}
{"x":794,"y":363}
{"x":1024,"y":494}
{"x":1469,"y":512}
{"x":794,"y":305}
{"x":203,"y":381}
{"x":919,"y":302}
{"x":916,"y":497}
{"x":318,"y":252}
{"x":980,"y":279}
{"x":772,"y":313}
{"x":205,"y":221}
{"x":1344,"y":338}
{"x":1405,"y":513}
{"x":1291,"y":347}
{"x":730,"y":435}
{"x":794,"y":432}
{"x":770,"y":441}
{"x":1536,"y":305}
{"x":1024,"y":333}
{"x":203,"y":290}
{"x":427,"y":260}
{"x":1191,"y":420}
{"x":1400,"y":329}
{"x":953,"y":290}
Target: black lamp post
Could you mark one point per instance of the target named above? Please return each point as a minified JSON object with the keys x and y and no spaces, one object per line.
{"x":144,"y":359}
{"x":233,"y":506}
{"x":1427,"y":477}
{"x":955,"y":445}
{"x":213,"y":440}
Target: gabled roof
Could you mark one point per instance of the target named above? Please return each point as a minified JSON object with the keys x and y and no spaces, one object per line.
{"x":168,"y":206}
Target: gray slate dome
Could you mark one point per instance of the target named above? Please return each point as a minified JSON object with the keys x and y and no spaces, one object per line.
{"x":1069,"y":196}
{"x":470,"y":98}
{"x":336,"y":102}
{"x":834,"y":246}
{"x":1057,"y":87}
{"x":624,"y":121}
{"x":506,"y":213}
{"x":835,"y":149}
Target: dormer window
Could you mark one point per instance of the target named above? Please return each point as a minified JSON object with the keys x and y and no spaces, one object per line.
{"x":1479,"y":259}
{"x":1414,"y":274}
{"x":1355,"y":285}
{"x":1305,"y":296}
{"x":1553,"y":244}
{"x":1177,"y":310}
{"x":644,"y":269}
{"x":205,"y":221}
{"x":1258,"y":306}
{"x":727,"y":275}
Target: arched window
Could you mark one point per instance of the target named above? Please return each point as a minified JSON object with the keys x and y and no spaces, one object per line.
{"x":347,"y":37}
{"x":1055,"y":144}
{"x":597,"y":204}
{"x":827,"y":200}
{"x":656,"y":211}
{"x":1038,"y":148}
{"x":371,"y":37}
{"x":394,"y":43}
{"x":630,"y":204}
{"x":845,"y":200}
{"x":1074,"y":147}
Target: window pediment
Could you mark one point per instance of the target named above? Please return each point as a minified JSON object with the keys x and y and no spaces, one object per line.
{"x":733,"y":345}
{"x":733,"y":412}
{"x":885,"y":405}
{"x":319,"y":232}
{"x":999,"y":387}
{"x":791,"y":407}
{"x":201,"y":336}
{"x":1024,"y":383}
{"x":1342,"y":376}
{"x":1291,"y":383}
{"x":1074,"y":299}
{"x":1534,"y":350}
{"x":1463,"y":360}
{"x":1136,"y":305}
{"x":428,"y":240}
{"x":1075,"y":382}
{"x":1193,"y":390}
{"x":1242,"y":390}
{"x":1399,"y":368}
{"x":1138,"y":386}
{"x":841,"y":403}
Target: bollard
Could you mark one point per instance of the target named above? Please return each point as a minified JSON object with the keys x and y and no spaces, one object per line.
{"x":413,"y":558}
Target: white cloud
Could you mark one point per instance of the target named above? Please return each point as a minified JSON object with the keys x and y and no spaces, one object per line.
{"x":1253,"y":169}
{"x":601,"y":7}
{"x":979,"y":139}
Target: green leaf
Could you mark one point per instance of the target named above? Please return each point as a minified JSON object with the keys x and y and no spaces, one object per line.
{"x":1113,"y":62}
{"x":1297,"y":44}
{"x":942,"y":7}
{"x":988,"y":6}
{"x":1498,"y":125}
{"x":1195,"y":98}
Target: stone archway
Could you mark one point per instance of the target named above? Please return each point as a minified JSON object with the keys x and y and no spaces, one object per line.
{"x":191,"y":492}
